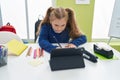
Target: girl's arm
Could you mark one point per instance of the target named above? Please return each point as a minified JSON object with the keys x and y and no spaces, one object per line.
{"x":46,"y":45}
{"x":43,"y":39}
{"x":79,"y":41}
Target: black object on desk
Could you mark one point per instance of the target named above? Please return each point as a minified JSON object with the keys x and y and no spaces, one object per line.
{"x":87,"y":55}
{"x":106,"y":53}
{"x":66,"y":58}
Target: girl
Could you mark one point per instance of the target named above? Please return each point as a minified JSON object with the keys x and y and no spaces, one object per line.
{"x":59,"y":25}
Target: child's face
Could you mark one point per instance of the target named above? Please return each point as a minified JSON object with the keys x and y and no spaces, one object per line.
{"x":59,"y":25}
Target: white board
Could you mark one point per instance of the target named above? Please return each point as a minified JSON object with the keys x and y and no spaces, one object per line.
{"x":114,"y":30}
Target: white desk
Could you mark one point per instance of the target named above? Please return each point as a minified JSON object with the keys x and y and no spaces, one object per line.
{"x":18,"y":68}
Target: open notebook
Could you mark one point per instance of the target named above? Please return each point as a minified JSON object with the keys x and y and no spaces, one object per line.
{"x":15,"y":47}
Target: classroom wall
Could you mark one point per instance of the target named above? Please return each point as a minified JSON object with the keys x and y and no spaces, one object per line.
{"x":84,"y":14}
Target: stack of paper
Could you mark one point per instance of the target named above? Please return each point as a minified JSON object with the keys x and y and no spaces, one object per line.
{"x":16,"y":47}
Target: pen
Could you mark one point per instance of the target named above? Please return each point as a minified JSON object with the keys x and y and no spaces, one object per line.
{"x":57,"y":41}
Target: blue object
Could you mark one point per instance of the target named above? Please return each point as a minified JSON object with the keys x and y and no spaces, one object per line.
{"x":47,"y":35}
{"x":3,"y":55}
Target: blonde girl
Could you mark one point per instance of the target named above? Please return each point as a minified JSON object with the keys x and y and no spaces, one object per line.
{"x":59,"y":25}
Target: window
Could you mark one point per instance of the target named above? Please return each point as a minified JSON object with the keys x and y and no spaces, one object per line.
{"x":15,"y":14}
{"x":35,"y":9}
{"x":102,"y":18}
{"x":14,"y":11}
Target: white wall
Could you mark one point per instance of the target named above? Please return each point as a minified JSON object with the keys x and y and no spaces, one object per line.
{"x":36,"y":8}
{"x":13,"y":11}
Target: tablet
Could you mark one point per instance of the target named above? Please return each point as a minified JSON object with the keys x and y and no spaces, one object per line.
{"x":66,"y":58}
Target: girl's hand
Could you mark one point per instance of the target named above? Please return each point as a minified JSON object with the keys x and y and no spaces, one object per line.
{"x":70,"y":46}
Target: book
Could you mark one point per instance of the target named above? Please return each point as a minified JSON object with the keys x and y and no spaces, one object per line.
{"x":16,"y":47}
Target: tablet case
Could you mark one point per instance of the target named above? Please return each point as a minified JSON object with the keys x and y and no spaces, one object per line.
{"x":66,"y":58}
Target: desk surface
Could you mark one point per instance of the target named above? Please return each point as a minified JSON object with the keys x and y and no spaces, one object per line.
{"x":20,"y":68}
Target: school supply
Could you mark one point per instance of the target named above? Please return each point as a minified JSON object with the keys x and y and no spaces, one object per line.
{"x":38,"y":52}
{"x":8,"y":27}
{"x":29,"y":51}
{"x":16,"y":47}
{"x":87,"y":55}
{"x":35,"y":53}
{"x":57,"y":41}
{"x":34,"y":56}
{"x":66,"y":58}
{"x":3,"y":55}
{"x":42,"y":52}
{"x":36,"y":62}
{"x":107,"y":53}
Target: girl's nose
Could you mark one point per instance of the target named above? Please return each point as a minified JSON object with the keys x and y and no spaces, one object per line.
{"x":59,"y":28}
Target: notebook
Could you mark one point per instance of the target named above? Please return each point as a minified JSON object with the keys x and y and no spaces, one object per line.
{"x":66,"y":58}
{"x":15,"y":47}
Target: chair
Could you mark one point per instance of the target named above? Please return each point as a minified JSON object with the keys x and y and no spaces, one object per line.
{"x":36,"y":29}
{"x":37,"y":40}
{"x":6,"y":36}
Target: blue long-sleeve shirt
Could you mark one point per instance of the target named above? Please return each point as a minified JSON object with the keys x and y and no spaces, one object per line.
{"x":47,"y":37}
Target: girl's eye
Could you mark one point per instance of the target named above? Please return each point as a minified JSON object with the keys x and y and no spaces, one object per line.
{"x":62,"y":25}
{"x":56,"y":25}
{"x":59,"y":25}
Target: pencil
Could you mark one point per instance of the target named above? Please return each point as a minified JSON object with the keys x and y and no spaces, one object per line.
{"x":29,"y":51}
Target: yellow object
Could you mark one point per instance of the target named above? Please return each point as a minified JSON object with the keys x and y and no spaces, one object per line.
{"x":35,"y":62}
{"x":16,"y":47}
